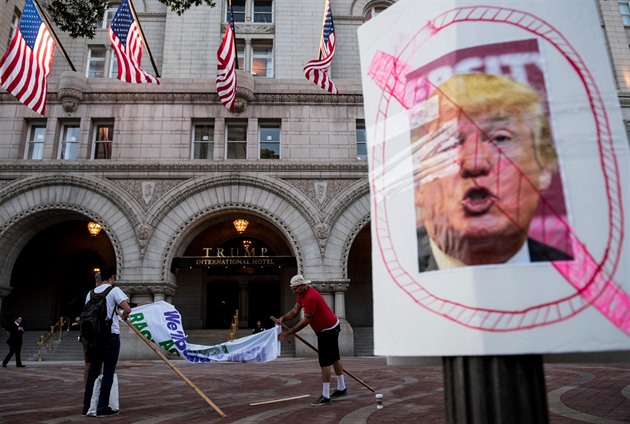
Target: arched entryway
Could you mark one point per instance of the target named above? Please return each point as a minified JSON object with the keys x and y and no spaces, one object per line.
{"x":55,"y":268}
{"x":224,"y":269}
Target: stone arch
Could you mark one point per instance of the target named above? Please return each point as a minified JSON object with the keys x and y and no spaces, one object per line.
{"x":279,"y":203}
{"x":33,"y":204}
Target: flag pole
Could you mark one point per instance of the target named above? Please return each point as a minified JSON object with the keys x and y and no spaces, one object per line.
{"x":52,"y":31}
{"x":321,"y":37}
{"x":233,"y":25}
{"x":316,"y":350}
{"x":144,"y":39}
{"x":173,"y":367}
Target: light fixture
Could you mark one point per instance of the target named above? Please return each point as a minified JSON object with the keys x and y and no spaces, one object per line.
{"x":94,"y":228}
{"x":241,"y":225}
{"x":247,"y":244}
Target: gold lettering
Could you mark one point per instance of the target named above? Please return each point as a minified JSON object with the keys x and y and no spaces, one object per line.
{"x":207,"y":251}
{"x":220,"y":252}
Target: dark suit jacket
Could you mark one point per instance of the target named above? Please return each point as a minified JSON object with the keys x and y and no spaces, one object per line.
{"x":15,"y":336}
{"x":538,"y":252}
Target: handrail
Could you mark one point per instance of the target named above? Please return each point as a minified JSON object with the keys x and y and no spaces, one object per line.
{"x":47,"y":339}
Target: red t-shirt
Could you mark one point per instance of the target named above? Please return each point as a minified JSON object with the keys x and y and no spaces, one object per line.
{"x":314,"y":304}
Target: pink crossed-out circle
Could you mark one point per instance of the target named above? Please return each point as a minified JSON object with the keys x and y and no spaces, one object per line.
{"x":592,"y":280}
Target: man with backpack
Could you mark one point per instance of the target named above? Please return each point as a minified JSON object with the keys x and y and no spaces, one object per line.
{"x":100,"y":331}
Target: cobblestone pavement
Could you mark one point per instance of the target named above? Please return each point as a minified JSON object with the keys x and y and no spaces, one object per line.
{"x":151,"y":392}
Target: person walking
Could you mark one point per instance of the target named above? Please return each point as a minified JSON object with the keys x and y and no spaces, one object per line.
{"x":326,"y":326}
{"x":103,"y":355}
{"x":15,"y":343}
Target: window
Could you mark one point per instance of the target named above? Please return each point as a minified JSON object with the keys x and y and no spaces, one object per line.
{"x":624,"y":10}
{"x":96,"y":62}
{"x":262,"y":60}
{"x":103,"y":138}
{"x":236,"y":141}
{"x":69,"y":142}
{"x":112,"y":7}
{"x":101,"y":63}
{"x":361,"y":144}
{"x":269,"y":141}
{"x":15,"y":23}
{"x":263,"y":11}
{"x":238,"y":10}
{"x":375,"y":7}
{"x":203,"y":141}
{"x":240,"y":55}
{"x":36,"y":137}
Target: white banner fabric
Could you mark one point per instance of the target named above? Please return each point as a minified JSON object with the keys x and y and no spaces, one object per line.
{"x":161,"y":323}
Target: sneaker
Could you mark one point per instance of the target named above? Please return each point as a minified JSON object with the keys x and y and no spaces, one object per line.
{"x":339,"y":393}
{"x":106,"y":413}
{"x":321,"y":401}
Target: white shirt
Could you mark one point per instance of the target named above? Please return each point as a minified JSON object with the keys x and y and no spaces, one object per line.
{"x":113,"y":299}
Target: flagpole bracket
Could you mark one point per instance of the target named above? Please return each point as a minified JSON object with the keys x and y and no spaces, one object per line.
{"x":72,"y":85}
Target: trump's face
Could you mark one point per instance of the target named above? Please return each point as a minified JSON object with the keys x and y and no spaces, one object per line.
{"x":479,"y":184}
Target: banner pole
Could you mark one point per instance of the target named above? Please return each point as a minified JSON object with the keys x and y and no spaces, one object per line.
{"x":173,"y":367}
{"x":316,"y":350}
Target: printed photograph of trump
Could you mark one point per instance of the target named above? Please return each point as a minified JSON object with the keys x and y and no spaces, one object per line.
{"x":483,"y":159}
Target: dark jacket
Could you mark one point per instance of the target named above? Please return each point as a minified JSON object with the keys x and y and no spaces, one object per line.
{"x":538,"y":252}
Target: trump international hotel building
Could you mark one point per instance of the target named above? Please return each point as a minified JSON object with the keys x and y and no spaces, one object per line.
{"x":210,"y":209}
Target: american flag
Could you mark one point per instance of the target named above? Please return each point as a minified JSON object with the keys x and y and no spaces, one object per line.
{"x":26,"y":63}
{"x":226,"y":69}
{"x":126,"y":40}
{"x":316,"y":70}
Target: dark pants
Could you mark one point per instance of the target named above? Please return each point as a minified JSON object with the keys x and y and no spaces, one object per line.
{"x":105,"y":358}
{"x":14,"y":348}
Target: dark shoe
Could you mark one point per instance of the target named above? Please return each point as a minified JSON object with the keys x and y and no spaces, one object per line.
{"x":84,"y":412}
{"x":339,"y":393}
{"x":4,"y":365}
{"x":21,"y":366}
{"x":321,"y":401}
{"x":106,"y":413}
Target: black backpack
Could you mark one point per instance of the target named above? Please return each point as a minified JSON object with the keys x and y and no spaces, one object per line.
{"x":94,"y":324}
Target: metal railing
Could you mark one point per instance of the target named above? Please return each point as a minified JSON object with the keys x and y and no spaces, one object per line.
{"x":46,"y":341}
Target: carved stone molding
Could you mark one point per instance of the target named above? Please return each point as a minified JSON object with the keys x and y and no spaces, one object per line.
{"x":71,"y":88}
{"x":244,"y":91}
{"x":147,"y":288}
{"x":143,"y":233}
{"x":5,"y":291}
{"x":331,"y":286}
{"x":147,"y":192}
{"x":321,"y":192}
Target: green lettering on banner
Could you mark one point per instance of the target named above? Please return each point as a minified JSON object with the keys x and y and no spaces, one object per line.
{"x":136,"y":317}
{"x":167,"y":345}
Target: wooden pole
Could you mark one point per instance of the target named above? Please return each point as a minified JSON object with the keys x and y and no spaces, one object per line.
{"x":135,"y":17}
{"x":52,"y":31}
{"x":300,"y":338}
{"x":265,"y":402}
{"x":174,"y":368}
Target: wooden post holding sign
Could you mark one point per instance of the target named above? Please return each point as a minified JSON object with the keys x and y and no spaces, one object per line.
{"x":316,"y":350}
{"x":173,"y":367}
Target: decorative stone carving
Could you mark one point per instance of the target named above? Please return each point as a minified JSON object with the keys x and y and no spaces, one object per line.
{"x":147,"y":192}
{"x":72,"y":85}
{"x":321,"y":192}
{"x":132,"y":288}
{"x":244,"y":91}
{"x":321,"y":232}
{"x":331,"y":286}
{"x":143,"y":232}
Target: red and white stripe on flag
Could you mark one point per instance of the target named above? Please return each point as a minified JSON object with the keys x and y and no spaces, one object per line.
{"x":126,"y":40}
{"x":26,"y":64}
{"x":317,"y":70}
{"x":226,"y":69}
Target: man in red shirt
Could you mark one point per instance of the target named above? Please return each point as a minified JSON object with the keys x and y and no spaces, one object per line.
{"x":326,"y":326}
